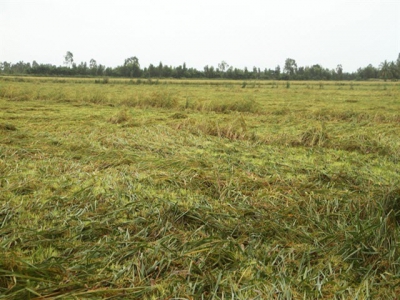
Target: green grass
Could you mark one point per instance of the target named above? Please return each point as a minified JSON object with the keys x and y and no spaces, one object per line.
{"x":199,"y":189}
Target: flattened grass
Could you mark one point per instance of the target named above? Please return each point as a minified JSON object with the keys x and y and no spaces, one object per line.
{"x":146,"y":191}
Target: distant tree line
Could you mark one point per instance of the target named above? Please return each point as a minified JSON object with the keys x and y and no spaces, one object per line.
{"x":387,"y":70}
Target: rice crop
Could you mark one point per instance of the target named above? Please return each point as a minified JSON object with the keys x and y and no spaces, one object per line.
{"x":199,"y":189}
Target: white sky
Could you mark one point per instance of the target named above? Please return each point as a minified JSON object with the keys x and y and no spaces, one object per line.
{"x":261,"y":33}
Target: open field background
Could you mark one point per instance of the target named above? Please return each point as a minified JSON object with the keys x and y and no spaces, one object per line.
{"x":199,"y":189}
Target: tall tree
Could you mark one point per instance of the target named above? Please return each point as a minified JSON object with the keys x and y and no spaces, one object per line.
{"x":223,"y":65}
{"x":290,"y":67}
{"x":394,"y":72}
{"x":93,"y":67}
{"x":397,"y":66}
{"x":277,"y":72}
{"x":339,"y":72}
{"x":68,"y":59}
{"x":132,"y":67}
{"x":92,"y":64}
{"x":385,"y":70}
{"x":398,"y":62}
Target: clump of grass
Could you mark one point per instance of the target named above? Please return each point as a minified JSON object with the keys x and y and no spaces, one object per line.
{"x":245,"y":105}
{"x":15,"y":93}
{"x":235,"y":130}
{"x":365,"y":144}
{"x":179,"y":115}
{"x":104,"y":80}
{"x":95,"y":98}
{"x":121,"y":117}
{"x":281,"y":111}
{"x":340,"y":115}
{"x":315,"y":136}
{"x":8,"y":126}
{"x":157,"y":99}
{"x":161,"y":100}
{"x":391,"y":204}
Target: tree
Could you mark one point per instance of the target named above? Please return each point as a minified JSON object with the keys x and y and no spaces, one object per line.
{"x":223,"y":65}
{"x":277,"y":72}
{"x":177,"y":72}
{"x":21,"y":67}
{"x":316,"y":72}
{"x":1,"y":67}
{"x":394,"y":72}
{"x":93,"y":64}
{"x":160,"y":69}
{"x":368,"y":72}
{"x":385,"y":70}
{"x":184,"y":70}
{"x":229,"y":73}
{"x":68,"y":59}
{"x":131,"y":67}
{"x":398,"y":62}
{"x":82,"y":69}
{"x":290,"y":67}
{"x":256,"y":73}
{"x":167,"y":71}
{"x":100,"y":69}
{"x":93,"y":67}
{"x":339,"y":72}
{"x":152,"y":71}
{"x":206,"y":71}
{"x":246,"y":73}
{"x":398,"y":66}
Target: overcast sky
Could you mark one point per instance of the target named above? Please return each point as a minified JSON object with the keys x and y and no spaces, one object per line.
{"x":261,"y":33}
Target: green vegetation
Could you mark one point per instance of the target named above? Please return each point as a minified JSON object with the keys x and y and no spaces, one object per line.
{"x":199,"y":189}
{"x":387,"y":70}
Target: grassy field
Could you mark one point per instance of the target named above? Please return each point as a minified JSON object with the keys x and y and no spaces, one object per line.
{"x":121,"y":189}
